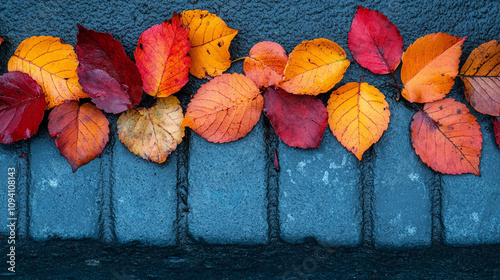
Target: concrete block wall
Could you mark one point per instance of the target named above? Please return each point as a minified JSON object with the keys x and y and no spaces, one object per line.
{"x":231,"y":193}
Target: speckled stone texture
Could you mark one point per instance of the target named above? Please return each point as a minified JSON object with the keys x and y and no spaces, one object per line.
{"x":320,"y":194}
{"x":62,"y":204}
{"x":229,"y":193}
{"x":144,"y":211}
{"x":227,"y":190}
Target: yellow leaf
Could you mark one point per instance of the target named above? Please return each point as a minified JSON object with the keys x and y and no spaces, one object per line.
{"x":314,"y":67}
{"x":358,"y":115}
{"x":52,"y":64}
{"x":210,"y":39}
{"x":430,"y":66}
{"x":152,"y":133}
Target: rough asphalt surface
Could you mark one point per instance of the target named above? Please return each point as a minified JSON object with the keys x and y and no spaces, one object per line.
{"x":209,"y":193}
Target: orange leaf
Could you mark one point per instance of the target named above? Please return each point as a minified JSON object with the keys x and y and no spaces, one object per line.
{"x":1,"y":40}
{"x":314,"y":67}
{"x":162,"y":57}
{"x":210,"y":39}
{"x":81,"y":132}
{"x":430,"y":66}
{"x":447,"y":138}
{"x":152,"y":133}
{"x":52,"y":64}
{"x":265,"y":64}
{"x":225,"y":109}
{"x":481,"y":77}
{"x":358,"y":115}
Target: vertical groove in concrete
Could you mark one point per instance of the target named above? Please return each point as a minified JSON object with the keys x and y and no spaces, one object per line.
{"x":183,"y":191}
{"x":22,"y":191}
{"x":436,"y":208}
{"x":367,"y":196}
{"x":106,"y":215}
{"x":271,"y":140}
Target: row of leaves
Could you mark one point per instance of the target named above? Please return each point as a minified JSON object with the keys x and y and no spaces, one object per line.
{"x":45,"y":73}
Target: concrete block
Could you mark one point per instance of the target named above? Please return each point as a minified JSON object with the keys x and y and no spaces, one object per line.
{"x":227,"y":190}
{"x":319,"y":194}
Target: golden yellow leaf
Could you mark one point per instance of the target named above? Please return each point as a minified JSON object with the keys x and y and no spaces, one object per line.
{"x":358,"y":115}
{"x":314,"y":67}
{"x":430,"y":66}
{"x":152,"y":133}
{"x":210,"y":39}
{"x":52,"y":64}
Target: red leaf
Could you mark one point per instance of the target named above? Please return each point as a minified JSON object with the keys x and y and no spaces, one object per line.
{"x":81,"y":132}
{"x":299,"y":120}
{"x":375,"y":42}
{"x":162,"y":57}
{"x":105,"y":72}
{"x":496,"y":127}
{"x":447,"y":138}
{"x":22,"y":105}
{"x":276,"y":161}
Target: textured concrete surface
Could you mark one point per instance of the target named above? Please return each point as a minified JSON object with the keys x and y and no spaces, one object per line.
{"x":61,"y":203}
{"x":402,"y":185}
{"x":320,"y":194}
{"x":229,"y":193}
{"x":227,"y":190}
{"x":145,"y":210}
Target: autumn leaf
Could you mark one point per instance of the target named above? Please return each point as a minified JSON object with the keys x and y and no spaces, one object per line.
{"x":430,"y":66}
{"x":225,"y":109}
{"x":358,"y":115}
{"x":299,"y":120}
{"x":152,"y":133}
{"x":447,"y":138}
{"x":162,"y":57}
{"x":314,"y":67}
{"x":210,"y":39}
{"x":265,"y":64}
{"x":106,"y":73}
{"x":22,"y":106}
{"x":481,"y":77}
{"x":1,"y":40}
{"x":81,"y":132}
{"x":375,"y":42}
{"x":496,"y":127}
{"x":52,"y":64}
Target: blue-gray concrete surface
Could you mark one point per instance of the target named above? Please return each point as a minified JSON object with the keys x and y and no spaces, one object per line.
{"x":227,"y":190}
{"x":61,"y":203}
{"x":144,"y":210}
{"x":402,"y":184}
{"x":320,"y":194}
{"x":390,"y":199}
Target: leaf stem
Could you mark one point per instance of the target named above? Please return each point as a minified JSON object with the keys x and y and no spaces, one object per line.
{"x":238,"y":59}
{"x":398,"y":97}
